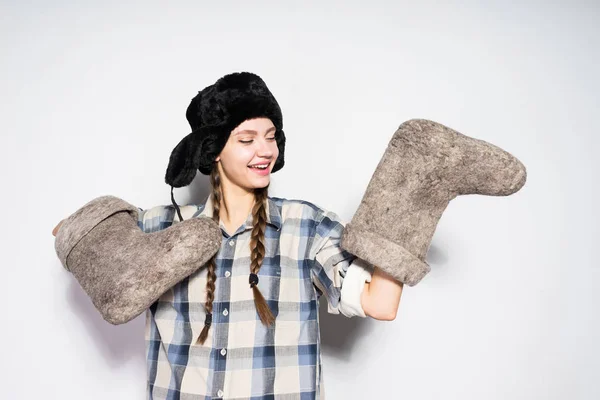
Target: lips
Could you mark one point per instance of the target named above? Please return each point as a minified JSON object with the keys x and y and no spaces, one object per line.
{"x":260,"y":171}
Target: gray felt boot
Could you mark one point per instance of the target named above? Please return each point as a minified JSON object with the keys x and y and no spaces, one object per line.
{"x":122,"y":269}
{"x":425,"y":165}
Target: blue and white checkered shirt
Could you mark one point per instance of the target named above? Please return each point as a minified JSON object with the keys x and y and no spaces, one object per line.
{"x":241,"y":358}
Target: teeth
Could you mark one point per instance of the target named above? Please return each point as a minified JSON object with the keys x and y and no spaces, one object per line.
{"x":259,"y":167}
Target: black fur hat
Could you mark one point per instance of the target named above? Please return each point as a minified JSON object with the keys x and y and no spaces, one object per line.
{"x":213,"y":113}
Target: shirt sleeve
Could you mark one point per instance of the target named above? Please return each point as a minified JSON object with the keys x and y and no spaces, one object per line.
{"x":161,"y":217}
{"x":335,"y":272}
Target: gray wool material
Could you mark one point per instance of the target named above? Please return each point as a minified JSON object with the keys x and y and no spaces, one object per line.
{"x":122,"y":269}
{"x":424,"y":167}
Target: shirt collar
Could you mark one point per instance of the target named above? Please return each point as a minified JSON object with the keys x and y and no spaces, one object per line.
{"x":273,"y":214}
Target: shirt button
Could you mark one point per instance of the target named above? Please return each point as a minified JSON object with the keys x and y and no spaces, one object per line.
{"x":220,"y":393}
{"x":227,"y":273}
{"x":231,"y":242}
{"x":223,"y":352}
{"x":225,"y":312}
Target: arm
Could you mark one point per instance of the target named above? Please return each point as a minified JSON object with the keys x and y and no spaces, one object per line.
{"x":366,"y":289}
{"x":380,"y":298}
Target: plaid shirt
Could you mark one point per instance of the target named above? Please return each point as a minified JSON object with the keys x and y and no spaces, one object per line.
{"x":241,"y":358}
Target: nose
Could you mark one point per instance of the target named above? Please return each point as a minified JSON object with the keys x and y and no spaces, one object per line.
{"x":265,"y":149}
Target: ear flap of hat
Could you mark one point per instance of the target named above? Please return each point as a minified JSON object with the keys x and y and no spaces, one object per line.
{"x":181,"y":171}
{"x":280,"y":139}
{"x":207,"y":151}
{"x":192,"y":114}
{"x":185,"y":159}
{"x":196,"y":151}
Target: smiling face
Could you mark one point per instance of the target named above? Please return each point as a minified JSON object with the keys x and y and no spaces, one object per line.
{"x":250,"y":144}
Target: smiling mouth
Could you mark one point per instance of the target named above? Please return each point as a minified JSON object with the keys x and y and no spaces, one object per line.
{"x":260,"y":170}
{"x":260,"y":166}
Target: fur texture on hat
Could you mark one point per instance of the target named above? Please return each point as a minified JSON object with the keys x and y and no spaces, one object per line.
{"x":213,"y":113}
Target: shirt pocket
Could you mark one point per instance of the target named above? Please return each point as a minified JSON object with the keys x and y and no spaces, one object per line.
{"x":295,"y":282}
{"x":269,"y":277}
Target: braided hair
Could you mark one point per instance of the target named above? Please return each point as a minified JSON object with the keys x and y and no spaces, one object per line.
{"x":257,"y":246}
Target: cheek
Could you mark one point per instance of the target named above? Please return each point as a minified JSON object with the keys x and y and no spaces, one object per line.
{"x":243,"y":156}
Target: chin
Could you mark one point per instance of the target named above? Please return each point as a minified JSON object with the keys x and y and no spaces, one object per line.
{"x":262,"y":185}
{"x":256,"y":184}
{"x":258,"y":181}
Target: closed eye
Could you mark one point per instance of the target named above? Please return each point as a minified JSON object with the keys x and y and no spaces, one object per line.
{"x":250,"y":141}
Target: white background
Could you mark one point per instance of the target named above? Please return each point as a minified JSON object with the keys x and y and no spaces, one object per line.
{"x":93,"y":101}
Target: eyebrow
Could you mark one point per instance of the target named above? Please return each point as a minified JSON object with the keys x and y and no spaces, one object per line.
{"x":255,"y":132}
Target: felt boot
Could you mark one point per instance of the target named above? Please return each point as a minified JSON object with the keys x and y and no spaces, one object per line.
{"x":425,"y":165}
{"x":122,"y":269}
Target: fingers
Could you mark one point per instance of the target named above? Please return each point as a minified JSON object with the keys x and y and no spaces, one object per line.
{"x":57,"y":227}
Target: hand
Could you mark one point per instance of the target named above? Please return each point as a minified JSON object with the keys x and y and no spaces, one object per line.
{"x":381,"y":297}
{"x":57,"y":227}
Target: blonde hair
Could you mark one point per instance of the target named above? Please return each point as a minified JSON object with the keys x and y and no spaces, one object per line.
{"x":257,"y":247}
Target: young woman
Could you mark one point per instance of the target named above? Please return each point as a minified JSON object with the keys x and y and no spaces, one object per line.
{"x":246,"y":324}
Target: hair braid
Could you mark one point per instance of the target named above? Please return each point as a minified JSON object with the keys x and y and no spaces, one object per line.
{"x":211,"y":276}
{"x":257,"y":246}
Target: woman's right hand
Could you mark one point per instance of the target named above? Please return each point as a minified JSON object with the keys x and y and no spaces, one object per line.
{"x":57,"y":227}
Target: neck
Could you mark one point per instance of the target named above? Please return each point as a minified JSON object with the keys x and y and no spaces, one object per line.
{"x":236,"y":203}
